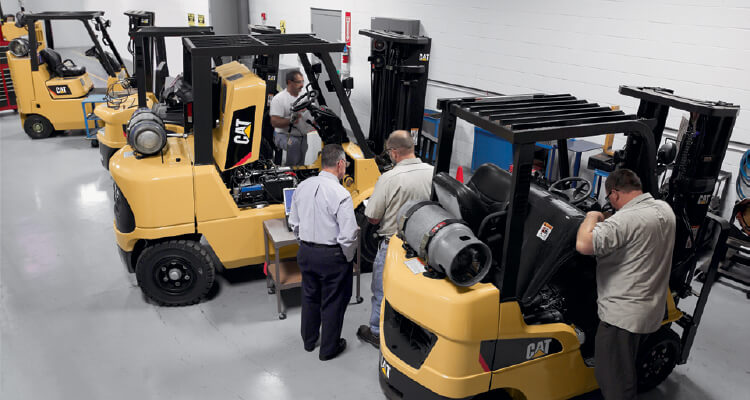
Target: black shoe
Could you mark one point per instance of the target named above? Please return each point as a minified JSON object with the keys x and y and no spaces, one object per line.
{"x":339,"y":349}
{"x":313,"y":346}
{"x":365,"y":334}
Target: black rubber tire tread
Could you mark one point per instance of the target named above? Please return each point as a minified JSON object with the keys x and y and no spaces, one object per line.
{"x":32,"y":119}
{"x":672,"y":339}
{"x":365,"y":227}
{"x":190,"y":248}
{"x":497,"y":394}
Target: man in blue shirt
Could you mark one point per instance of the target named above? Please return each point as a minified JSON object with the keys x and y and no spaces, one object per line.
{"x":322,"y":218}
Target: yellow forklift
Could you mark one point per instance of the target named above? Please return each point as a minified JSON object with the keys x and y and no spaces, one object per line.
{"x":187,"y":204}
{"x":485,"y":296}
{"x":151,"y":71}
{"x":49,"y":90}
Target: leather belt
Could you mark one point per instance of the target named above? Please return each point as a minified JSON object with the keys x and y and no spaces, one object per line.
{"x":320,"y":245}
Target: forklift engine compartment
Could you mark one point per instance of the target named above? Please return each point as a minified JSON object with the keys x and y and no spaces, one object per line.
{"x":259,"y":183}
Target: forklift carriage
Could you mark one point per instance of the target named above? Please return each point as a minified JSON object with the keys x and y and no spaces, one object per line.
{"x":526,"y":329}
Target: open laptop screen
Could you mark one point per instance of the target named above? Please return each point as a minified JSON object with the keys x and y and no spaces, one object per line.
{"x":288,"y":193}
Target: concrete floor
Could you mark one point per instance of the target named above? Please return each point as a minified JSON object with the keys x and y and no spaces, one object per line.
{"x":73,"y":325}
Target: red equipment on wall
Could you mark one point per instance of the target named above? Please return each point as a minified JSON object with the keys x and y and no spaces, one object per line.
{"x":7,"y":94}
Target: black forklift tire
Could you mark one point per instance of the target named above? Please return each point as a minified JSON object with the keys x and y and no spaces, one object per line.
{"x":38,"y":127}
{"x":94,"y":143}
{"x":497,"y":394}
{"x":370,"y":239}
{"x":175,"y":272}
{"x":657,"y":357}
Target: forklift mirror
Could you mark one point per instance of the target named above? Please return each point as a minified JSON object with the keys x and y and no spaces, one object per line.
{"x":317,"y":68}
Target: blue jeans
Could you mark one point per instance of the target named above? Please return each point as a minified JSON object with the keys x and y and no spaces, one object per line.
{"x":377,"y":287}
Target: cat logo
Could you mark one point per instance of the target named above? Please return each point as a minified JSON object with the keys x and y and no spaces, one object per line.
{"x":538,"y":349}
{"x":242,"y":131}
{"x":424,"y":57}
{"x":385,"y":368}
{"x":60,"y":89}
{"x":240,"y":144}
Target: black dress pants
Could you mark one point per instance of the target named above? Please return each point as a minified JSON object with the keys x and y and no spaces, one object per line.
{"x":326,"y":290}
{"x":614,"y":362}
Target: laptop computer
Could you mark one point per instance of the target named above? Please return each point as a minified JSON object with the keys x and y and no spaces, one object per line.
{"x":288,"y":194}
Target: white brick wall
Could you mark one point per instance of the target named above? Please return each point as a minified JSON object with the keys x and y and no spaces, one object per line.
{"x":588,"y":48}
{"x":699,"y":48}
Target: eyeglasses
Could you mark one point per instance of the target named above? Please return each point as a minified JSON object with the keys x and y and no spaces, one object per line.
{"x":299,"y":82}
{"x":348,"y":163}
{"x":606,"y":198}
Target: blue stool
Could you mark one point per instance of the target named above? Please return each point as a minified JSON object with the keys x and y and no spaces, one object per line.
{"x":598,"y":176}
{"x":93,"y":99}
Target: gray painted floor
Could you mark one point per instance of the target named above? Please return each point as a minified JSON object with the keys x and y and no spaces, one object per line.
{"x":74,"y":326}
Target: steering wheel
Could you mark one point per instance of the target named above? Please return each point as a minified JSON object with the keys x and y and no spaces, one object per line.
{"x":573,"y":195}
{"x":307,"y":100}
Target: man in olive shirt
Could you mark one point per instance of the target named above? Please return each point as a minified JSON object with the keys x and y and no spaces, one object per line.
{"x":633,"y":249}
{"x":409,"y":180}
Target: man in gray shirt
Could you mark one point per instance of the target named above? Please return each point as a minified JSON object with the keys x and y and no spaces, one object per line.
{"x":322,"y":218}
{"x":409,"y":180}
{"x":633,"y":249}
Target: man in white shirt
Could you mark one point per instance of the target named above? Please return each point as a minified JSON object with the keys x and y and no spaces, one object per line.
{"x":291,"y":128}
{"x":322,"y":218}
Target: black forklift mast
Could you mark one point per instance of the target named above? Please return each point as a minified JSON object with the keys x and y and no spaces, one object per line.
{"x":696,"y":170}
{"x":150,"y":52}
{"x":525,"y":119}
{"x":138,"y":19}
{"x":198,"y":52}
{"x":399,"y":66}
{"x":85,"y":17}
{"x":695,"y":173}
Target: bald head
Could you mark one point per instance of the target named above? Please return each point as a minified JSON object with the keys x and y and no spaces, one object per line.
{"x":401,"y":142}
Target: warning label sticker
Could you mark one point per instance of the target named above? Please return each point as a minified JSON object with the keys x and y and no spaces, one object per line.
{"x":415,"y":265}
{"x":544,"y":231}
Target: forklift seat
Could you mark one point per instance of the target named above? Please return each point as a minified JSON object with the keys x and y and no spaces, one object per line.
{"x":58,"y":67}
{"x":492,"y":184}
{"x":459,"y":200}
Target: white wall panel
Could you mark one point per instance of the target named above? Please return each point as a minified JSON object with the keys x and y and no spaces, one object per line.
{"x":699,"y":48}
